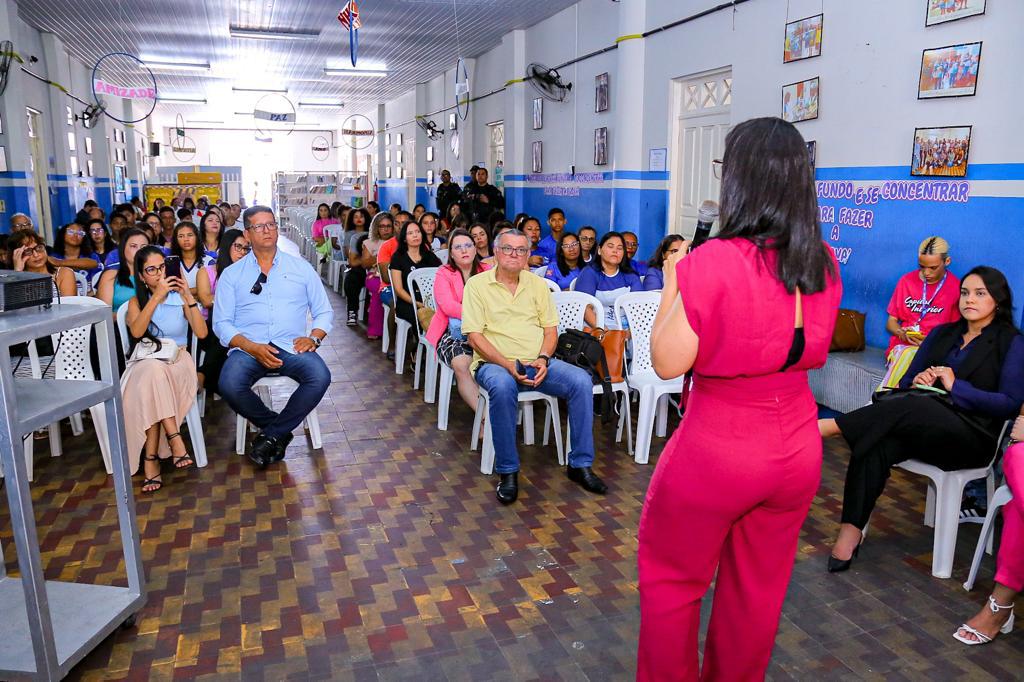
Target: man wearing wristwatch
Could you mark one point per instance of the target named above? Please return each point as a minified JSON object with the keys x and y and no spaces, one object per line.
{"x":512,"y":324}
{"x":260,"y":311}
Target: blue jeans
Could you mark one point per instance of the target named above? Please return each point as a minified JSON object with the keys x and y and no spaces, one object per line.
{"x":242,"y":370}
{"x":563,"y":381}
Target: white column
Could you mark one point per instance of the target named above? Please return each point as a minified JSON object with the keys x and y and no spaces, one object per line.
{"x":16,"y":181}
{"x":628,"y":132}
{"x":516,"y":125}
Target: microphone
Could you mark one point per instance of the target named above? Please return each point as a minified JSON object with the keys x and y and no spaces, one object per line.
{"x":706,"y":217}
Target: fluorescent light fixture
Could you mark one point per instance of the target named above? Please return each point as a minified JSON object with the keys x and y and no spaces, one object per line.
{"x":271,"y":34}
{"x":157,"y":65}
{"x":181,"y":100}
{"x":206,"y":122}
{"x":322,"y":105}
{"x":271,"y":90}
{"x":361,"y":73}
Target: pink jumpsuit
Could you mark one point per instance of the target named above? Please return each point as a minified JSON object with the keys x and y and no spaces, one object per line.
{"x":735,"y":482}
{"x":1010,"y":562}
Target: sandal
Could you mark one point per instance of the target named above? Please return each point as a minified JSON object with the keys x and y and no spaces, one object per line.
{"x":980,"y":637}
{"x":177,"y":460}
{"x":156,"y":480}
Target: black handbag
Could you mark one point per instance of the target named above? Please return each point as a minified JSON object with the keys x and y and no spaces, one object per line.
{"x":583,"y":350}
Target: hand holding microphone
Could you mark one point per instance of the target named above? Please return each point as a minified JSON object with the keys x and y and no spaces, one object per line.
{"x":706,"y":217}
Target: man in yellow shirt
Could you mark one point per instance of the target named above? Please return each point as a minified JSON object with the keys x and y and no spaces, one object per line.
{"x":509,"y":317}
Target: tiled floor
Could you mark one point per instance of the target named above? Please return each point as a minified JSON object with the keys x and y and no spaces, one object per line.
{"x":385,"y":556}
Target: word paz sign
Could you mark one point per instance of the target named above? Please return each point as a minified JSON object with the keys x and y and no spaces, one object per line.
{"x":274,"y":117}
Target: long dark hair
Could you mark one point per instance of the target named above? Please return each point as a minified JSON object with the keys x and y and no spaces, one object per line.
{"x":404,"y":246}
{"x":477,"y":266}
{"x":596,"y":262}
{"x":176,"y":247}
{"x":768,"y":197}
{"x":483,"y":226}
{"x":58,"y":241}
{"x":108,"y":241}
{"x":224,"y":252}
{"x":124,"y":274}
{"x":560,"y":261}
{"x":142,"y":292}
{"x":201,"y":241}
{"x":26,"y":238}
{"x":999,"y":290}
{"x":350,"y":220}
{"x":318,"y":207}
{"x":658,"y":259}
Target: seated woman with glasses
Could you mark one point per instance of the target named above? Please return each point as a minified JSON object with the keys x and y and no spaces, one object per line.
{"x":566,"y":267}
{"x":382,"y":229}
{"x":654,"y":280}
{"x":71,"y":249}
{"x":234,"y":247}
{"x":102,"y":246}
{"x":588,"y":242}
{"x":445,"y":332}
{"x":608,"y":277}
{"x":28,"y":254}
{"x":157,"y":394}
{"x":972,"y":374}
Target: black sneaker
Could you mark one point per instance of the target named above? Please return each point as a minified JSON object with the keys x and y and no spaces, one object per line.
{"x":352,"y":321}
{"x":263,"y":451}
{"x":282,"y":445}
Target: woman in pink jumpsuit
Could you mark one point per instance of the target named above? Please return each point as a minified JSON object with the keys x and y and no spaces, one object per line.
{"x":734,"y":484}
{"x":997,"y":614}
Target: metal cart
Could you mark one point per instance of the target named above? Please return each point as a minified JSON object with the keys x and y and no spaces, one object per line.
{"x":47,"y":626}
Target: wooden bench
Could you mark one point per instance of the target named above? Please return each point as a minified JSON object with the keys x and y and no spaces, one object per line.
{"x":847,"y":380}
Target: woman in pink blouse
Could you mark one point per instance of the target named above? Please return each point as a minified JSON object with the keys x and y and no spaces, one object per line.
{"x":445,"y":332}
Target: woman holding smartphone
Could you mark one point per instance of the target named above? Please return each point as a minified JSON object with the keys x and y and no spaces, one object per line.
{"x":157,"y":394}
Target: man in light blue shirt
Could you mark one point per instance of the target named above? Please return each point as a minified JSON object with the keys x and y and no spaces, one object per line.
{"x":259,"y":314}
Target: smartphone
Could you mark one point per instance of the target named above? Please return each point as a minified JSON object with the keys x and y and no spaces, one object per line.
{"x":520,"y":368}
{"x":172,"y":265}
{"x":913,"y":334}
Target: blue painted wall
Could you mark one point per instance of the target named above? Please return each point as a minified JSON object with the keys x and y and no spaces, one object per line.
{"x":392,"y":192}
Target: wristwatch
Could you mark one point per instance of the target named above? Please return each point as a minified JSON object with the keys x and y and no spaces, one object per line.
{"x":316,"y":341}
{"x":546,"y":358}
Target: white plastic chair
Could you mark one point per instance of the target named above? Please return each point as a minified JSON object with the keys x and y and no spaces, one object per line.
{"x":334,"y":266}
{"x":572,"y":307}
{"x":639,"y":309}
{"x":442,"y":255}
{"x":422,"y":281}
{"x":526,"y":398}
{"x":82,"y":285}
{"x":402,"y":329}
{"x":552,"y":286}
{"x":1002,"y":497}
{"x":446,"y":375}
{"x":192,"y":417}
{"x":264,"y":388}
{"x":942,"y":506}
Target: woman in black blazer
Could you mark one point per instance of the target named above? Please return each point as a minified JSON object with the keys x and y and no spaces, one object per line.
{"x":978,"y":365}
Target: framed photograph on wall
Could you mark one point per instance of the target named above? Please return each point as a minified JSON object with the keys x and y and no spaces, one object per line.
{"x":119,"y":175}
{"x":452,"y":122}
{"x":89,"y":169}
{"x":72,"y":143}
{"x":538,"y":157}
{"x":430,"y":153}
{"x":812,"y":152}
{"x":538,"y":113}
{"x":88,"y":145}
{"x":803,"y":39}
{"x":430,"y":178}
{"x":71,"y":115}
{"x":601,"y":147}
{"x":387,"y":171}
{"x":950,"y":71}
{"x":602,"y":94}
{"x":3,"y":159}
{"x":941,"y":152}
{"x":800,"y":101}
{"x":74,"y":166}
{"x":941,"y":11}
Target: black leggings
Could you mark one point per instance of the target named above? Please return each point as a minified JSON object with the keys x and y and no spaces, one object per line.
{"x":913,"y":427}
{"x":355,"y":280}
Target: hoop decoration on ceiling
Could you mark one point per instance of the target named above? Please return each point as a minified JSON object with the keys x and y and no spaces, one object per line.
{"x":461,"y":89}
{"x":119,"y":75}
{"x":349,"y":18}
{"x":184,"y":149}
{"x":321,"y":148}
{"x":179,"y":128}
{"x":357,"y":131}
{"x":274,"y":108}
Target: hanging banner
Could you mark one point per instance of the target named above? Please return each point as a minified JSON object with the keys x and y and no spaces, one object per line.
{"x":275,"y":117}
{"x":349,"y":18}
{"x":321,"y":148}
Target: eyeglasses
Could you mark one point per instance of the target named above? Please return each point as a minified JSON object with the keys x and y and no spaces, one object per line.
{"x":152,"y":270}
{"x":569,"y":246}
{"x":716,"y":168}
{"x":77,"y":233}
{"x":257,"y":288}
{"x":588,"y":240}
{"x":22,"y":226}
{"x":31,"y":250}
{"x":97,"y":230}
{"x":263,"y":227}
{"x":514,"y":250}
{"x":631,"y":245}
{"x":463,"y":247}
{"x":241,"y":248}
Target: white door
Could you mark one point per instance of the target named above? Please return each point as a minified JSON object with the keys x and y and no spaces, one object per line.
{"x":700,"y":122}
{"x":37,"y":165}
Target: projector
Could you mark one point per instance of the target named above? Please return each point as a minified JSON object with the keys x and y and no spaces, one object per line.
{"x":24,"y":290}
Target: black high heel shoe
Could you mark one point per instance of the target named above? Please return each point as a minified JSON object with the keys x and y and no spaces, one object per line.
{"x":839,"y":565}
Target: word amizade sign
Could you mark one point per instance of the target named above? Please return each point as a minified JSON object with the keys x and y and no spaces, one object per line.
{"x":357,"y":133}
{"x":101,"y":87}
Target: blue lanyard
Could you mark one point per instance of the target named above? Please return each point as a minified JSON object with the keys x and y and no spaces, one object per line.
{"x":926,"y":302}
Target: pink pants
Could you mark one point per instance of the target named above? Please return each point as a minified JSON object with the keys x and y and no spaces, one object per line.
{"x":730,"y":492}
{"x":1010,"y":563}
{"x":375,"y":317}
